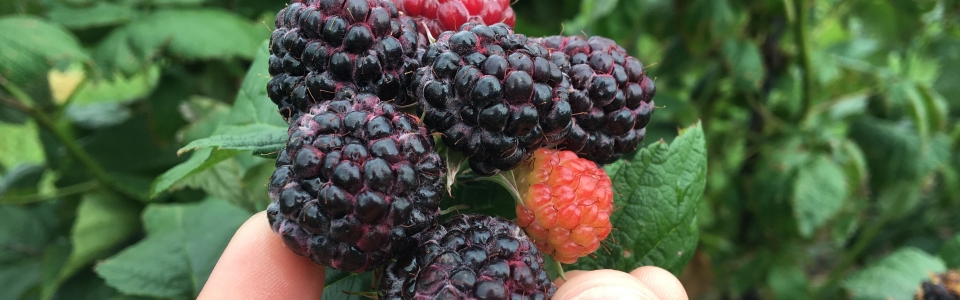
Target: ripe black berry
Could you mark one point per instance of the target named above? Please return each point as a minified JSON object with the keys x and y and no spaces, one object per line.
{"x":493,"y":94}
{"x":356,"y":180}
{"x":323,"y":46}
{"x":610,"y":94}
{"x":469,"y":257}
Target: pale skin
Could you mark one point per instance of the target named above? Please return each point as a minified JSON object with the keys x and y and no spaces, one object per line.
{"x":256,"y":265}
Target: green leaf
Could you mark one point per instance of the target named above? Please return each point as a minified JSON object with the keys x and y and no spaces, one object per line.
{"x":890,"y":148}
{"x":788,"y":282}
{"x":950,"y":252}
{"x":252,"y":105}
{"x":916,"y":109}
{"x":252,"y":123}
{"x":225,"y":180}
{"x":337,"y":283}
{"x":199,"y":161}
{"x":853,"y":162}
{"x":183,"y":243}
{"x":86,"y":285}
{"x":197,"y":34}
{"x":119,"y":89}
{"x":260,"y":138}
{"x":896,"y":276}
{"x":744,"y":63}
{"x":20,"y":144}
{"x":53,"y":261}
{"x":103,"y":103}
{"x":20,"y":180}
{"x":818,"y":194}
{"x":25,"y":235}
{"x":659,"y":193}
{"x":130,"y":147}
{"x":100,"y":14}
{"x":19,"y":277}
{"x":29,"y":47}
{"x":176,"y":2}
{"x":481,"y":197}
{"x":205,"y":116}
{"x":103,"y":221}
{"x":98,"y":115}
{"x":936,"y":107}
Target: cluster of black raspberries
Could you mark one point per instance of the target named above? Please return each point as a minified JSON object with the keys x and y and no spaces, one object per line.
{"x":358,"y":184}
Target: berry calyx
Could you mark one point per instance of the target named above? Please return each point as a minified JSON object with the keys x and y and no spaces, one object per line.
{"x":565,"y":203}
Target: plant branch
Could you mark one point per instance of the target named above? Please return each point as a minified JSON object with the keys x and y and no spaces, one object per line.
{"x":61,"y":192}
{"x":802,"y":39}
{"x":62,"y":135}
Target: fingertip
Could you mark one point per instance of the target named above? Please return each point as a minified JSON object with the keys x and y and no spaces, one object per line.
{"x":602,"y":284}
{"x":570,"y":275}
{"x":256,"y":265}
{"x":663,"y":283}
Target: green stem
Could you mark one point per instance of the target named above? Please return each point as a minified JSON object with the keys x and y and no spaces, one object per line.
{"x":802,"y":10}
{"x":454,"y":208}
{"x":61,"y":192}
{"x":63,"y":136}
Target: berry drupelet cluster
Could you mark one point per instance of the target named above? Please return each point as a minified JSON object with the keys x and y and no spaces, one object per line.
{"x":326,"y":49}
{"x":493,"y":95}
{"x":356,"y":180}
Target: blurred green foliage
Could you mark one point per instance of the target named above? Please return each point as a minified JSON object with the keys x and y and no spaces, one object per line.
{"x":831,"y":126}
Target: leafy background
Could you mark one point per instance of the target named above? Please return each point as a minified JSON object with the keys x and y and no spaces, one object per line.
{"x":135,"y":137}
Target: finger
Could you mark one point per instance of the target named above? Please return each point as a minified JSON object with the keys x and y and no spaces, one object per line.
{"x":256,"y":265}
{"x":661,"y":282}
{"x":602,"y":284}
{"x":570,"y":275}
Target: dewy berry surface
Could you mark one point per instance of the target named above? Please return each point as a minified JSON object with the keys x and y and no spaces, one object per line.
{"x":469,"y":257}
{"x":566,"y":204}
{"x":356,"y":180}
{"x":325,"y":49}
{"x":493,"y":95}
{"x":610,"y":93}
{"x":446,"y":15}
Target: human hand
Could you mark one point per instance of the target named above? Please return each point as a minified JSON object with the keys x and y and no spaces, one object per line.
{"x":256,"y":265}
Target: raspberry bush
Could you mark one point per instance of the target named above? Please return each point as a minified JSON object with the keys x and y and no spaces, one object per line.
{"x":478,"y":148}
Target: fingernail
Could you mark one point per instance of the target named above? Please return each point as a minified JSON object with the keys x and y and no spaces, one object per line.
{"x":611,"y":292}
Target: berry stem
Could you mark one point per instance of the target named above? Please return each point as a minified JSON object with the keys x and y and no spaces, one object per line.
{"x":63,"y":135}
{"x":454,"y":208}
{"x":429,"y":35}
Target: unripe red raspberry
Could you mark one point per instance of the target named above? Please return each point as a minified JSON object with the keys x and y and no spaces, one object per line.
{"x":447,"y":15}
{"x":566,"y":202}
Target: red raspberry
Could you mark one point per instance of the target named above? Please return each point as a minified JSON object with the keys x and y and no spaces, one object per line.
{"x":566,"y":204}
{"x":446,"y":15}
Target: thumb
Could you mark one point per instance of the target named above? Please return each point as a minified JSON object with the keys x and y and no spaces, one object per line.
{"x":602,"y":284}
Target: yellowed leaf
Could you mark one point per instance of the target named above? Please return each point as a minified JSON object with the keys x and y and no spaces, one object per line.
{"x":63,"y":83}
